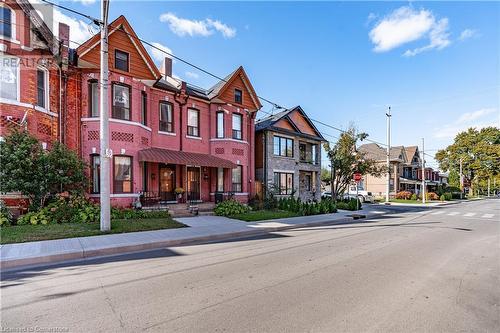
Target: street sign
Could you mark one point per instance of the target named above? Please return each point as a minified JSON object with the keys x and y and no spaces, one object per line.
{"x":357,"y":177}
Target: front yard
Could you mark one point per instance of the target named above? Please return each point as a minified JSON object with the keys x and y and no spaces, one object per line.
{"x":29,"y":233}
{"x":260,"y":215}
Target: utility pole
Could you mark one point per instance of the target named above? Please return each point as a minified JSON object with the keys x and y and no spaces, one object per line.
{"x":461,"y":180}
{"x":488,"y":187}
{"x":105,"y":152}
{"x":388,"y":185}
{"x":423,"y":172}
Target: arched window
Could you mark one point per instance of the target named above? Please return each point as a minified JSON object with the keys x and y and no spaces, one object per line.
{"x":7,"y":22}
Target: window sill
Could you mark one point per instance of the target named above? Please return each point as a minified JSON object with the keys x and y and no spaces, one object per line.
{"x":27,"y":105}
{"x":119,"y":121}
{"x":167,"y":133}
{"x":228,"y":139}
{"x":10,"y":39}
{"x":193,"y":137}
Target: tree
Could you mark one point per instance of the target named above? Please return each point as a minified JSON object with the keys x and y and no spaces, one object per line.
{"x":326,"y":176}
{"x":35,"y":173}
{"x":347,"y":160}
{"x":479,"y":151}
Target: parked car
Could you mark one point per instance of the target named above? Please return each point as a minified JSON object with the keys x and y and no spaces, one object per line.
{"x":363,"y":196}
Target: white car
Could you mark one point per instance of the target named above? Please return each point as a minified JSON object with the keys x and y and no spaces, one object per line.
{"x":363,"y":196}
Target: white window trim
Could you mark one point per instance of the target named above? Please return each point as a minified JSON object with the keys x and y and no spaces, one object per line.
{"x":18,"y":82}
{"x":217,"y":125}
{"x":229,"y":139}
{"x":167,"y":133}
{"x":13,"y":21}
{"x":194,"y":137}
{"x":46,"y":90}
{"x":119,"y":121}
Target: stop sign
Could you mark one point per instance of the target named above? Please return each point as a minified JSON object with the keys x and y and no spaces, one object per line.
{"x":357,"y":177}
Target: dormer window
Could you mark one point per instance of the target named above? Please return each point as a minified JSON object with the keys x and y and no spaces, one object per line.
{"x":6,"y":22}
{"x":238,"y":96}
{"x":121,"y":60}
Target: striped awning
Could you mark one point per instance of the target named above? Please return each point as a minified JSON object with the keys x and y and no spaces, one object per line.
{"x":161,"y":155}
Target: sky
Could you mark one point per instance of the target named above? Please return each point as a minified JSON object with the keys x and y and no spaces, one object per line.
{"x":435,"y":63}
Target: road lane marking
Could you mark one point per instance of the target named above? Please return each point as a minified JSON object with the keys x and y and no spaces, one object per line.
{"x":487,"y":216}
{"x":438,"y":212}
{"x":452,"y":214}
{"x":469,"y":214}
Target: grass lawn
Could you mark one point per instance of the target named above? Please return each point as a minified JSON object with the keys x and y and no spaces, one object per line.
{"x":259,"y":215}
{"x":29,"y":233}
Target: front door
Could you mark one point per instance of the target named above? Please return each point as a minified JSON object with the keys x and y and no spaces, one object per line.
{"x":167,"y":182}
{"x":193,"y":183}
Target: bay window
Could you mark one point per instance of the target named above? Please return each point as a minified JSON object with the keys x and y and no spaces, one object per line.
{"x":6,"y":22}
{"x":144,"y":108}
{"x":95,"y":173}
{"x":121,"y":101}
{"x":93,"y":98}
{"x":122,"y":174}
{"x":9,"y":78}
{"x":237,"y":126}
{"x":220,"y":180}
{"x":41,"y":88}
{"x":220,"y":124}
{"x":237,"y":178}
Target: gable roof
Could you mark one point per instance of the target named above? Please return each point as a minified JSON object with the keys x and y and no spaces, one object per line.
{"x":219,"y":88}
{"x":269,"y":123}
{"x":410,"y":152}
{"x":374,"y":152}
{"x":39,"y":26}
{"x":122,"y":24}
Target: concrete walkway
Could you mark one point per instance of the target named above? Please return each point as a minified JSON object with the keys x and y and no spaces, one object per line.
{"x":201,"y":229}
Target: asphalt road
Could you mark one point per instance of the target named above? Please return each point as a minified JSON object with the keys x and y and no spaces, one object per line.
{"x":431,"y":271}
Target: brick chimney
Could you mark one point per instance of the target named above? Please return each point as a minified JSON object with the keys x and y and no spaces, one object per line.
{"x":64,"y":47}
{"x":166,"y":67}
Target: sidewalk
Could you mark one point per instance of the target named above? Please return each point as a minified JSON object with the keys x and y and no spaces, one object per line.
{"x":201,"y":229}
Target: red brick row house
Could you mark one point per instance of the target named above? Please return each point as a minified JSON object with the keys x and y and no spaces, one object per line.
{"x":164,"y":133}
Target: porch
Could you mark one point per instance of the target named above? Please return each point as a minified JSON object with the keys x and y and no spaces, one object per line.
{"x":172,"y":177}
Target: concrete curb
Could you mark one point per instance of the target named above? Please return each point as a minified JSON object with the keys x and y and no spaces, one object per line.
{"x":31,"y":262}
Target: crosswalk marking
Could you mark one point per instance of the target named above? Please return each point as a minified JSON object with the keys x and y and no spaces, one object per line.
{"x":438,"y":212}
{"x":452,"y":213}
{"x":487,"y":216}
{"x":469,"y":214}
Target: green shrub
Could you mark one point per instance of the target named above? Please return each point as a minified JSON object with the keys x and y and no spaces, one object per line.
{"x":349,"y":204}
{"x":230,"y":207}
{"x":5,"y":215}
{"x":442,"y":197}
{"x":448,"y":196}
{"x":34,"y":218}
{"x":414,"y":197}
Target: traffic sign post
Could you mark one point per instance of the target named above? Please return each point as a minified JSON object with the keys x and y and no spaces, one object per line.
{"x":357,"y":179}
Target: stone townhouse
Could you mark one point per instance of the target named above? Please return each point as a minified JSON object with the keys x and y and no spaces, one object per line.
{"x":288,"y":155}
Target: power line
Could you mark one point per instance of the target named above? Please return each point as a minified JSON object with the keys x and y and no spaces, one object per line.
{"x":275,"y":105}
{"x":93,"y":19}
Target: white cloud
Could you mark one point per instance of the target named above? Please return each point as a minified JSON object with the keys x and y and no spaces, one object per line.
{"x":469,"y":119}
{"x":224,"y":29}
{"x":206,"y":27}
{"x":85,"y":2}
{"x":192,"y":75}
{"x":405,"y":25}
{"x":158,"y":55}
{"x":438,"y":39}
{"x":468,"y":33}
{"x":400,"y":27}
{"x":79,"y":31}
{"x":471,"y":116}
